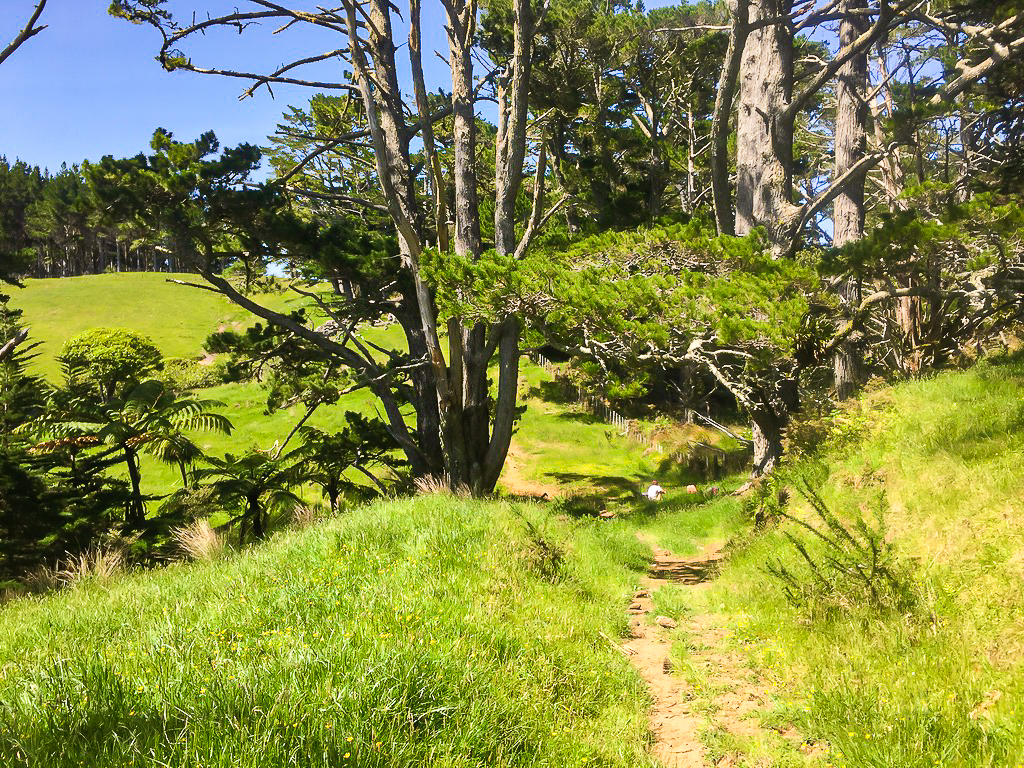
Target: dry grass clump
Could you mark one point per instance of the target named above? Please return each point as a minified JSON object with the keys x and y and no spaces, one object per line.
{"x":305,"y":515}
{"x":199,"y":541}
{"x":439,"y":484}
{"x":97,"y":565}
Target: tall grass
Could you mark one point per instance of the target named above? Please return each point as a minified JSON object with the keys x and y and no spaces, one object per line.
{"x":941,"y":684}
{"x":406,"y":634}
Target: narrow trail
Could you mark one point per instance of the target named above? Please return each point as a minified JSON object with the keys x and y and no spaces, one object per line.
{"x":675,"y":720}
{"x":513,"y":480}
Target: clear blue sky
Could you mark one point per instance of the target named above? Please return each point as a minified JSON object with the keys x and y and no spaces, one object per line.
{"x":89,"y":86}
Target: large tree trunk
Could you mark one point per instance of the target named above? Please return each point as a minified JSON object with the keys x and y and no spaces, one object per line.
{"x":767,"y":428}
{"x":764,"y":127}
{"x":848,"y":209}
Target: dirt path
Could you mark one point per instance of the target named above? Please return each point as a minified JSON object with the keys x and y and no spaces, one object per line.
{"x":675,"y":720}
{"x":512,"y":478}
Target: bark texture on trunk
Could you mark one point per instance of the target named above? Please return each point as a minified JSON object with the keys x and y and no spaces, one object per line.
{"x":848,"y":208}
{"x":719,"y":161}
{"x":767,"y":429}
{"x":764,"y":126}
{"x":850,"y":134}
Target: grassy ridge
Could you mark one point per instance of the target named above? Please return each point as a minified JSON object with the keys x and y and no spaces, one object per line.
{"x":942,"y":685}
{"x":423,"y":632}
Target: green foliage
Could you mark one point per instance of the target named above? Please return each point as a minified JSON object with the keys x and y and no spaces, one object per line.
{"x":253,"y":485}
{"x":849,"y":566}
{"x":973,"y":234}
{"x":150,"y":418}
{"x":31,"y":517}
{"x":766,"y":504}
{"x":109,"y":361}
{"x":182,"y":374}
{"x":20,"y":186}
{"x":325,"y":459}
{"x":654,"y":287}
{"x":21,"y":394}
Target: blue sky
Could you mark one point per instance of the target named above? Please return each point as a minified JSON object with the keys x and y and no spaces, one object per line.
{"x":89,"y":86}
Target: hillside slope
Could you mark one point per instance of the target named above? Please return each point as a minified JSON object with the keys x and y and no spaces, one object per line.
{"x":432,"y":631}
{"x":933,"y":676}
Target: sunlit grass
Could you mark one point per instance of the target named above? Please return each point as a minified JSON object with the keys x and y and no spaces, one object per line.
{"x":943,"y":685}
{"x":409,"y":633}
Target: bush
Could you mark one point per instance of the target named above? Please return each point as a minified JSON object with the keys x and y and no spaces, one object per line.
{"x":111,"y":359}
{"x":181,"y":373}
{"x":767,"y":502}
{"x":847,"y":565}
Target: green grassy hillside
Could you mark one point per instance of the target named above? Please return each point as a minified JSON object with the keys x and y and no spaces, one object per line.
{"x":559,"y":447}
{"x":938,"y":681}
{"x":178,"y":318}
{"x":426,"y":632}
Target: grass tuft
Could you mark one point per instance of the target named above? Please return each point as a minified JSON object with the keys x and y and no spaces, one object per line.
{"x":199,"y":541}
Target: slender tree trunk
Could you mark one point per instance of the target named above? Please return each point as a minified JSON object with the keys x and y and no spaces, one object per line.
{"x":720,"y":188}
{"x":848,"y":208}
{"x":255,"y":513}
{"x":136,"y":513}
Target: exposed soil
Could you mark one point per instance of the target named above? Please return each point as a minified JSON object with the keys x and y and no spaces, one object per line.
{"x":513,"y":481}
{"x":676,"y":724}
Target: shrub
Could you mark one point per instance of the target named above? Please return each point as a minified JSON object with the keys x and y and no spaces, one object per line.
{"x":111,"y":359}
{"x":847,"y":565}
{"x":181,"y":373}
{"x":767,"y":502}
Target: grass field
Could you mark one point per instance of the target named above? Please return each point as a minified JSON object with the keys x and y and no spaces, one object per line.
{"x":178,"y":319}
{"x":412,"y":633}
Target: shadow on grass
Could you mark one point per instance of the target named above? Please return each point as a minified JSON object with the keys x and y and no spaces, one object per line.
{"x":626,"y":493}
{"x":557,"y":391}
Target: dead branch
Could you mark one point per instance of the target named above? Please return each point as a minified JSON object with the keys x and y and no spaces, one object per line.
{"x":30,"y":30}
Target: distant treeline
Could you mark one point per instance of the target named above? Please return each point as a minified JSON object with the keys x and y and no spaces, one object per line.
{"x":50,"y":227}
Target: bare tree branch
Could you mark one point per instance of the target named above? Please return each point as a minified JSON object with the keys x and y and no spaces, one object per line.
{"x":8,"y":349}
{"x":29,"y":30}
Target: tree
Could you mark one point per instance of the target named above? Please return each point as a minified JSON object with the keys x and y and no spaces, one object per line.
{"x":254,"y":484}
{"x":148,"y":418}
{"x":461,"y":432}
{"x":659,"y":298}
{"x":325,"y":458}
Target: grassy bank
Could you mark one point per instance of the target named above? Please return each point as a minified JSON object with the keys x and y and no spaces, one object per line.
{"x":424,"y":632}
{"x":939,"y":681}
